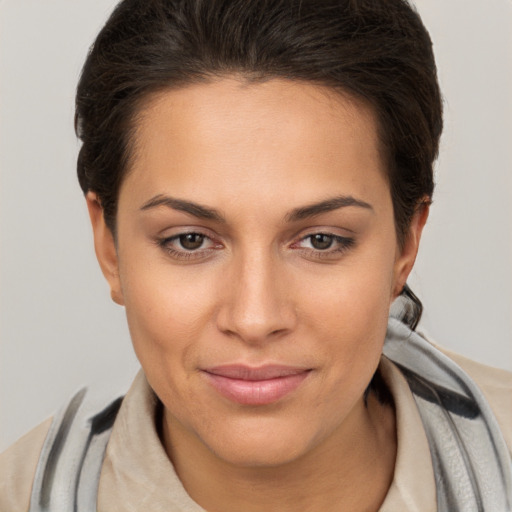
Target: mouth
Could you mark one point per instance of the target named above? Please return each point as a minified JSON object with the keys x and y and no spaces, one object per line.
{"x":255,"y":385}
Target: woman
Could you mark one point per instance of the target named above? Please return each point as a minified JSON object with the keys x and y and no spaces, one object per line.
{"x":258,"y":175}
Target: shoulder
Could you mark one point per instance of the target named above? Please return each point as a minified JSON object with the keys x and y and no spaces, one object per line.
{"x":496,"y":386}
{"x":17,"y":469}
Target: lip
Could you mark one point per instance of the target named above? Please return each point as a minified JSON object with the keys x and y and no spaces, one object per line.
{"x":255,"y":385}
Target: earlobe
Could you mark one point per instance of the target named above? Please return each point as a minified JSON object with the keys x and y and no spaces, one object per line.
{"x":105,"y":247}
{"x":407,"y":255}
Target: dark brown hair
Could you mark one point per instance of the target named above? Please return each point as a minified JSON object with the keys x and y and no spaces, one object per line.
{"x":376,"y":50}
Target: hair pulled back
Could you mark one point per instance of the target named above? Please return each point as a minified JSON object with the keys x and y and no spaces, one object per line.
{"x":377,"y":50}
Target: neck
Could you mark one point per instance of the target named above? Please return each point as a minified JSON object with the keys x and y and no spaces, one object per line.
{"x":353,"y":467}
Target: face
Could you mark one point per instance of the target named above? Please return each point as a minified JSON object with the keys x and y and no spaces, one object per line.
{"x":257,"y":259}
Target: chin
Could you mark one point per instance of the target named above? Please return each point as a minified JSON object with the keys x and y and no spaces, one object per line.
{"x":261,"y":444}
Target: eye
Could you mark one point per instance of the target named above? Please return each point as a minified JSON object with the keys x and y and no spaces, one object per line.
{"x":191,"y":241}
{"x":324,"y":245}
{"x":321,"y":241}
{"x":187,"y":246}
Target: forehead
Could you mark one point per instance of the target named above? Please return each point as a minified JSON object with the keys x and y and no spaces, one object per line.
{"x":275,"y":135}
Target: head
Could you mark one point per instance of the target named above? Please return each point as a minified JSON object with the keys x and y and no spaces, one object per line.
{"x":175,"y":99}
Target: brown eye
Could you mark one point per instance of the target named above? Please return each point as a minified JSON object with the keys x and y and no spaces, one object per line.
{"x":191,"y":241}
{"x":324,"y":246}
{"x":321,"y":241}
{"x":189,"y":246}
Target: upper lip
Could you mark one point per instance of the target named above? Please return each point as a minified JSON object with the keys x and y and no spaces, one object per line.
{"x":244,"y":372}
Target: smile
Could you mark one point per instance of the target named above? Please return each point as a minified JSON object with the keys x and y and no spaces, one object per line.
{"x":255,"y":386}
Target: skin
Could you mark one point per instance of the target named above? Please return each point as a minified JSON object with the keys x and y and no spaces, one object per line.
{"x":257,"y":291}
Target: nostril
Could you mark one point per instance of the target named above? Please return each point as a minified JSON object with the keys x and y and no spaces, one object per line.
{"x":254,"y":331}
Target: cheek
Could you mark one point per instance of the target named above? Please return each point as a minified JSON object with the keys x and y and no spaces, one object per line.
{"x":356,"y":293}
{"x":348,"y":314}
{"x":167,"y":311}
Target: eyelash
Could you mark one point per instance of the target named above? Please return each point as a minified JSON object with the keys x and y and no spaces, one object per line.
{"x":344,"y":244}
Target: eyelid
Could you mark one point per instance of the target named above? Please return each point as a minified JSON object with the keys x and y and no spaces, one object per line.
{"x":338,"y":238}
{"x":334,"y":231}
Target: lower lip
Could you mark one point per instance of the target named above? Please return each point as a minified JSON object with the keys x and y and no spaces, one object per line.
{"x":256,"y":392}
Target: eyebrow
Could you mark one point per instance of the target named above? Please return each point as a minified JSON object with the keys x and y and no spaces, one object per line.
{"x":301,"y":213}
{"x":334,"y":203}
{"x":201,"y":212}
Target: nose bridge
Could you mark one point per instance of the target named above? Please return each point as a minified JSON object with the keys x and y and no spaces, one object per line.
{"x":259,"y":306}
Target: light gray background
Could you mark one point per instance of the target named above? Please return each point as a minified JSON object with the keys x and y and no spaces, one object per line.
{"x":59,"y":329}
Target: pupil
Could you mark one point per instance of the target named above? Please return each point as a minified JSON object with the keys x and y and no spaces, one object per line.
{"x":191,"y":241}
{"x":321,"y":241}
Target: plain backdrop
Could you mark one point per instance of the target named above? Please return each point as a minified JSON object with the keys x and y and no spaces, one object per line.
{"x":60,"y":330}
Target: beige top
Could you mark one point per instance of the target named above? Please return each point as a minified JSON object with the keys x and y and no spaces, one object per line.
{"x":137,"y":475}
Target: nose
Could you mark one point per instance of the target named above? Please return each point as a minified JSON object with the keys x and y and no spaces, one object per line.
{"x":257,"y":306}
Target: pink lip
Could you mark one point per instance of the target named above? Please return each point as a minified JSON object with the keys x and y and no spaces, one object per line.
{"x":255,"y":386}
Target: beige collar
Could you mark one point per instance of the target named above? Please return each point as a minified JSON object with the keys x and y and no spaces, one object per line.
{"x":413,"y":487}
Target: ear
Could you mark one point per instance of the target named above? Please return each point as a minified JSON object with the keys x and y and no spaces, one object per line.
{"x":105,"y":247}
{"x":406,"y":256}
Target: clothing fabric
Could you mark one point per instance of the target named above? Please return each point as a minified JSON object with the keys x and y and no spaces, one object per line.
{"x":137,"y":475}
